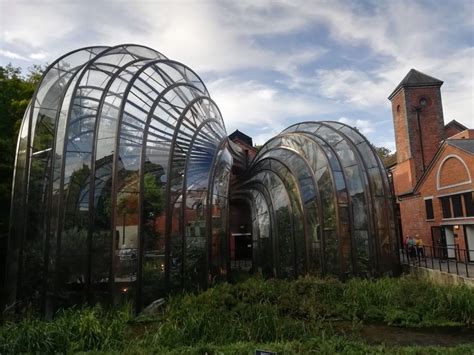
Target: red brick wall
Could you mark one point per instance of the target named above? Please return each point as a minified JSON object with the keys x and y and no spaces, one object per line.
{"x":431,"y":123}
{"x":452,"y":172}
{"x":400,"y":124}
{"x":451,"y":130}
{"x":429,"y":184}
{"x":403,"y":177}
{"x":466,"y":134}
{"x":407,"y":133}
{"x":252,"y":152}
{"x":412,"y":209}
{"x":412,"y":212}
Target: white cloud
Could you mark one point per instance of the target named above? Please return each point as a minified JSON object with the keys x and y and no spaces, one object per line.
{"x":261,"y":108}
{"x":207,"y":36}
{"x":379,"y":41}
{"x":352,"y":86}
{"x":364,"y":126}
{"x":455,"y":69}
{"x":38,"y":55}
{"x":36,"y":24}
{"x":375,"y":130}
{"x":11,"y":55}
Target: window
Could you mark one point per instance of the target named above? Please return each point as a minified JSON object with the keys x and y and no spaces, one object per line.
{"x":457,"y":206}
{"x":446,"y":207}
{"x":455,"y":202}
{"x":429,"y":208}
{"x":469,"y":204}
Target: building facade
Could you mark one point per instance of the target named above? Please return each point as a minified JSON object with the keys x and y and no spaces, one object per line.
{"x":432,"y":176}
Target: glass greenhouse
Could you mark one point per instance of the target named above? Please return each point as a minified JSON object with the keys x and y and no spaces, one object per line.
{"x":126,"y":185}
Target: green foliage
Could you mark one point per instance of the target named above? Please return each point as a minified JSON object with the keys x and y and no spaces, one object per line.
{"x":154,"y":203}
{"x":71,"y":331}
{"x":382,"y":152}
{"x":302,"y":316}
{"x":314,"y":345}
{"x":16,"y":91}
{"x":257,"y":311}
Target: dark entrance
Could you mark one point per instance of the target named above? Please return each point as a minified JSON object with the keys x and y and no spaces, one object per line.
{"x":438,"y":238}
{"x":240,"y":235}
{"x":243,"y":246}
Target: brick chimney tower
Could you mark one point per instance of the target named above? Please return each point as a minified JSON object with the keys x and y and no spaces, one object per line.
{"x":419,"y":127}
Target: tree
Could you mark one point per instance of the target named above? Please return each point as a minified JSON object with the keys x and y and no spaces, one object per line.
{"x":16,"y":91}
{"x":383,"y":152}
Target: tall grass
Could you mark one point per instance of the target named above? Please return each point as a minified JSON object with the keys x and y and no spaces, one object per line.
{"x":290,"y":315}
{"x":278,"y":310}
{"x":72,"y":330}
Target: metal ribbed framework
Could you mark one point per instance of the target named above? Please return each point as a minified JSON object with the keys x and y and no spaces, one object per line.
{"x":122,"y":188}
{"x":324,"y":193}
{"x":114,"y":166}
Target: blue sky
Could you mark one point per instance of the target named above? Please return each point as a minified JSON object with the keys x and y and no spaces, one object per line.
{"x":269,"y":64}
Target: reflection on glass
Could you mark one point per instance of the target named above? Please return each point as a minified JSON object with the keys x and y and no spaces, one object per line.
{"x":126,"y":187}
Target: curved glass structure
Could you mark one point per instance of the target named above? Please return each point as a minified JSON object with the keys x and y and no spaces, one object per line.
{"x":321,"y":202}
{"x":125,"y":176}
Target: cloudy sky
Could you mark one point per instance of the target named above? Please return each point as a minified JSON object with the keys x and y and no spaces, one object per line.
{"x":269,"y":64}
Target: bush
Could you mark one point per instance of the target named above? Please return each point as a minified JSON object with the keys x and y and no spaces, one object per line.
{"x":71,"y":331}
{"x":285,"y":316}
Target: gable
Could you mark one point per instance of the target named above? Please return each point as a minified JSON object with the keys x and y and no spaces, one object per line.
{"x":451,"y":167}
{"x":452,"y":171}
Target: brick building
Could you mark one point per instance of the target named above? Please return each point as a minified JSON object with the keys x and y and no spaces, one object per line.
{"x":240,"y":215}
{"x":433,"y":171}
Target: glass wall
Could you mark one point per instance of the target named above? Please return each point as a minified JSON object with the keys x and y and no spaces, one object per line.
{"x":327,"y":184}
{"x":121,"y":182}
{"x":124,"y":176}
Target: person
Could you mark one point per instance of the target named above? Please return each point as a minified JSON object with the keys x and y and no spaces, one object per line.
{"x":419,"y":246}
{"x":411,"y":247}
{"x":405,"y":244}
{"x":405,"y":247}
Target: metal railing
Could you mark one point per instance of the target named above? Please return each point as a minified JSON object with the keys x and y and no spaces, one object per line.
{"x":451,"y":259}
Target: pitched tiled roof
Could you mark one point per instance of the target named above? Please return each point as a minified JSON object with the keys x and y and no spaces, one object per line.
{"x":455,"y":123}
{"x":390,"y":161}
{"x":416,"y":78}
{"x":464,"y":144}
{"x":242,"y":136}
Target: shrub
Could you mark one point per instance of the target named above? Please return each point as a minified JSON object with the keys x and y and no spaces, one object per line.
{"x":71,"y":330}
{"x":287,"y":316}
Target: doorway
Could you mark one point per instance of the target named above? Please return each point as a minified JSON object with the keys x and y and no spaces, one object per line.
{"x":450,"y":244}
{"x":469,"y":235}
{"x":443,"y":239}
{"x":240,"y":225}
{"x":243,"y":246}
{"x":438,"y":239}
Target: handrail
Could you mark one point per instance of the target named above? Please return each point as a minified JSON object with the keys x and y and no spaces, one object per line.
{"x":446,"y":257}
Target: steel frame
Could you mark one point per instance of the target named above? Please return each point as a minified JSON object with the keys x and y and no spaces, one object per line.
{"x":189,"y":132}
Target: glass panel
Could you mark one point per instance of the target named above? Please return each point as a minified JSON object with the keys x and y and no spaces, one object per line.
{"x":284,"y":222}
{"x":264,"y":236}
{"x":457,"y":206}
{"x":446,"y":207}
{"x":195,"y":217}
{"x":469,"y":204}
{"x":14,"y":263}
{"x":88,"y":253}
{"x":132,"y":164}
